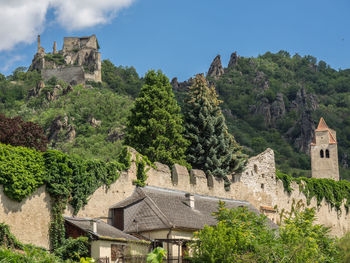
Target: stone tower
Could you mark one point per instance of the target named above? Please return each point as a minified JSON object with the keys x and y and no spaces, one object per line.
{"x":324,"y":153}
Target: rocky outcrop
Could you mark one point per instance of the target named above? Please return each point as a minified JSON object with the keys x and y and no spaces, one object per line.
{"x":58,"y":125}
{"x":181,"y":86}
{"x":116,"y":134}
{"x":271,"y":112}
{"x":233,"y":60}
{"x":278,"y":109}
{"x":216,"y":69}
{"x":54,"y":94}
{"x":262,"y":81}
{"x":95,"y":123}
{"x":67,"y":90}
{"x":304,"y":104}
{"x":36,"y":91}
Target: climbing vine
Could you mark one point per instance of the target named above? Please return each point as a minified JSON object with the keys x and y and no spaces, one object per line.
{"x":22,"y":171}
{"x":142,"y":169}
{"x":68,"y":178}
{"x":7,"y":239}
{"x":333,"y":192}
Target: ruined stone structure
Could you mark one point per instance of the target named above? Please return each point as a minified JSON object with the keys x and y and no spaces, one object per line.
{"x":257,"y":184}
{"x":324,"y":153}
{"x":77,"y":62}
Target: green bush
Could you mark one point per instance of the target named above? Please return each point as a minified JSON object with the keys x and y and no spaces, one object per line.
{"x":73,"y":249}
{"x":22,"y":171}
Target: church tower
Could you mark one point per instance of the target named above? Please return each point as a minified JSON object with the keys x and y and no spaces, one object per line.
{"x":324,"y":153}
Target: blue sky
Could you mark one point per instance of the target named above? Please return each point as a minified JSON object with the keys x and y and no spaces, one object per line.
{"x":182,"y":37}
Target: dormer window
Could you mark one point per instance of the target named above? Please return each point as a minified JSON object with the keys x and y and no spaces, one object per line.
{"x":327,"y":153}
{"x":321,"y":154}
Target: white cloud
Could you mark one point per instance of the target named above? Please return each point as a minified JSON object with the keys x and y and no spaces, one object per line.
{"x":80,"y":14}
{"x":22,"y":20}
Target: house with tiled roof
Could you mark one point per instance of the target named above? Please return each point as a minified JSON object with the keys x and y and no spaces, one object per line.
{"x":324,"y":152}
{"x":167,"y":217}
{"x":108,"y":244}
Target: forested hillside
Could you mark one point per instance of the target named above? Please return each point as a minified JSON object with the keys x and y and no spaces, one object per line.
{"x":274,"y":100}
{"x":85,"y":120}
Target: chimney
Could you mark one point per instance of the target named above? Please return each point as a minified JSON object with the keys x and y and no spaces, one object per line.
{"x":190,"y":200}
{"x":93,"y":226}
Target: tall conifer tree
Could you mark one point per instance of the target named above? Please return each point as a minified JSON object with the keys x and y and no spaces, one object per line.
{"x":155,"y":125}
{"x":212,"y":148}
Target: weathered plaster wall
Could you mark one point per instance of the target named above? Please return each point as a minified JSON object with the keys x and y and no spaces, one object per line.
{"x":257,"y":184}
{"x":28,"y":220}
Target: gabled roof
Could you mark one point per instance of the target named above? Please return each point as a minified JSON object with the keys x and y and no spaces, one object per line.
{"x":104,"y":230}
{"x":322,"y":126}
{"x":158,"y":208}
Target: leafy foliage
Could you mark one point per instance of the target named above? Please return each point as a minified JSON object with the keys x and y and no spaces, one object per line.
{"x":154,"y":127}
{"x":344,"y":248}
{"x":333,"y":192}
{"x":7,"y":239}
{"x":17,"y":132}
{"x":157,"y":255}
{"x":251,"y":87}
{"x":141,"y":170}
{"x":73,"y":249}
{"x":243,"y":236}
{"x":212,"y":148}
{"x":22,"y":171}
{"x":123,"y":80}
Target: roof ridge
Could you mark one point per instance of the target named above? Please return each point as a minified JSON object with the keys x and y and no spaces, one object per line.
{"x":322,"y":125}
{"x":154,"y":207}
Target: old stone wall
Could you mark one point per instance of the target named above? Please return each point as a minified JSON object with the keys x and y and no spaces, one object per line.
{"x":29,"y":220}
{"x":257,"y":184}
{"x":67,"y":74}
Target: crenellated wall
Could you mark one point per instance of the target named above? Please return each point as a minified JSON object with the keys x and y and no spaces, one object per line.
{"x":29,"y":220}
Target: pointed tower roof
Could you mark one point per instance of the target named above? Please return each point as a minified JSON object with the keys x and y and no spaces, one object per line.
{"x":322,"y":126}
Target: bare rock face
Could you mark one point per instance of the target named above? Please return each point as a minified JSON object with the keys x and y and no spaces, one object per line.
{"x":36,"y":91}
{"x":71,"y":133}
{"x":261,"y":80}
{"x":233,"y":60}
{"x":278,"y":109}
{"x":95,"y":123}
{"x":264,"y":109}
{"x":116,"y":134}
{"x":307,"y":132}
{"x":181,"y":86}
{"x":67,"y":90}
{"x":344,"y":160}
{"x":305,"y":104}
{"x":216,"y":69}
{"x":54,"y":94}
{"x":58,"y":125}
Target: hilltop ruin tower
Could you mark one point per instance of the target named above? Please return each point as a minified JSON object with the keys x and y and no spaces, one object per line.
{"x":324,"y":153}
{"x":78,"y":61}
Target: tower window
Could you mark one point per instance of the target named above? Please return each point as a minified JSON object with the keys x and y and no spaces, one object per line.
{"x":321,"y":154}
{"x":327,"y":153}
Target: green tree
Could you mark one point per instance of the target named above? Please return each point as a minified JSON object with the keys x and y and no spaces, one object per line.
{"x":244,"y":236}
{"x":212,"y":148}
{"x":154,"y":127}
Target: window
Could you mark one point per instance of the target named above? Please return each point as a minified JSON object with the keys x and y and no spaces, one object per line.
{"x":255,"y":168}
{"x":327,"y":153}
{"x":321,"y":154}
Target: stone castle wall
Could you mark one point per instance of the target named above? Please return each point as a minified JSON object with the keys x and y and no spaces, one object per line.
{"x":68,"y":74}
{"x":29,"y":220}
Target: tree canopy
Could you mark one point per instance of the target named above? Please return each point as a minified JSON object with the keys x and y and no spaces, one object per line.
{"x":154,"y":127}
{"x":212,"y":148}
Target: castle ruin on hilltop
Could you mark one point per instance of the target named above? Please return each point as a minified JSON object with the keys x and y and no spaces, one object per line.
{"x":78,"y":61}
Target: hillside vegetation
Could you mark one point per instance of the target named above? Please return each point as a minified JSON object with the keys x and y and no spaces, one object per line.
{"x":274,"y":100}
